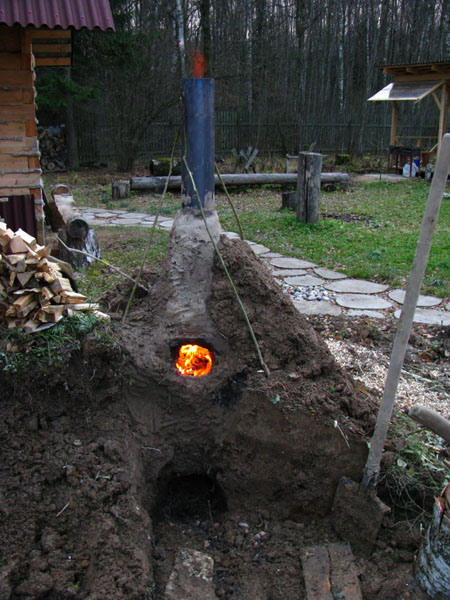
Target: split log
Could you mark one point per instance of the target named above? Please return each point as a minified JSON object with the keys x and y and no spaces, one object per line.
{"x":158,"y":183}
{"x":33,"y":290}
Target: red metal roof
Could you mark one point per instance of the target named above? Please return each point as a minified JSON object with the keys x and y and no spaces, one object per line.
{"x":91,"y":14}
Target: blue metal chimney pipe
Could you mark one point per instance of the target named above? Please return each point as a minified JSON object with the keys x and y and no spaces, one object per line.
{"x":197,"y":143}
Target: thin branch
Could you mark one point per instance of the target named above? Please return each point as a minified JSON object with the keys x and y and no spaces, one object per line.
{"x":112,"y":267}
{"x":241,"y":234}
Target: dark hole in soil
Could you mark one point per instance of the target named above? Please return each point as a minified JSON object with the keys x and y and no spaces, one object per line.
{"x":190,"y":498}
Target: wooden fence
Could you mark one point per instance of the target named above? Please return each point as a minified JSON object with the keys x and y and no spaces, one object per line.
{"x":280,"y":138}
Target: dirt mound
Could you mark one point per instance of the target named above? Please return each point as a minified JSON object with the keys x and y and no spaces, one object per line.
{"x":119,"y":461}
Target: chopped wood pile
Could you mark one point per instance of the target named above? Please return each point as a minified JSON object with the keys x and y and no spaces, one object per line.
{"x":53,"y":149}
{"x":34,"y":293}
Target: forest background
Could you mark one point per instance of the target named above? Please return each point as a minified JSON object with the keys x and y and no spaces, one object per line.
{"x":288,"y":73}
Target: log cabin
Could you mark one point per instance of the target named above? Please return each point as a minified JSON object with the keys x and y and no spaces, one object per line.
{"x":32,"y":35}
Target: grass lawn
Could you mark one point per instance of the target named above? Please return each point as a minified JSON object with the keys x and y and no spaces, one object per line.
{"x":368,"y":232}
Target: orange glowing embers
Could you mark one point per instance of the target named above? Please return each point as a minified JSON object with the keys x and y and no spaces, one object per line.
{"x":194,"y":360}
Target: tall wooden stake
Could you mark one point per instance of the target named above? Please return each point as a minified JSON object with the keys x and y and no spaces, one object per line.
{"x":308,"y":187}
{"x":372,"y":468}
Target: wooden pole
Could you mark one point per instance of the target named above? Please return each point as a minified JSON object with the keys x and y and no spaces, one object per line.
{"x":442,"y":106}
{"x":372,"y":468}
{"x":308,"y":187}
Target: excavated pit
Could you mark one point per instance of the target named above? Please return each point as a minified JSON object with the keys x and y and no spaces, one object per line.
{"x":127,"y":461}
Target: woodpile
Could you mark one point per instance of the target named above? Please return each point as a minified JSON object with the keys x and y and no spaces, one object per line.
{"x":53,"y":149}
{"x":34,"y":292}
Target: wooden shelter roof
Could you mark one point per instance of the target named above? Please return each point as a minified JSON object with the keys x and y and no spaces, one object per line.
{"x":430,"y":71}
{"x":414,"y":82}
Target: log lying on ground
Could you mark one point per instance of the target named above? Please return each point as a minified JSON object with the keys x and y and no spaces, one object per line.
{"x":34,"y":293}
{"x":158,"y":183}
{"x":431,"y":420}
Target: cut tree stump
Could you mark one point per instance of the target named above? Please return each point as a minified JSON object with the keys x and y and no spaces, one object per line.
{"x":330,"y":573}
{"x":120,"y":189}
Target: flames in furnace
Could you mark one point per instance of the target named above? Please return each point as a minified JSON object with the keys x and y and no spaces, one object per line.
{"x":194,"y":360}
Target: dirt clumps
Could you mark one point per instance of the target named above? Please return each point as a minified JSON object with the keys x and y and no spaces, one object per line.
{"x":119,"y":462}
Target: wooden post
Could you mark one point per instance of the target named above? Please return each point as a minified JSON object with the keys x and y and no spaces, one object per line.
{"x":308,"y":187}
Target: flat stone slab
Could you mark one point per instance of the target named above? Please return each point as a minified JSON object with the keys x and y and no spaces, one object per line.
{"x":166,"y":224}
{"x":105,"y":214}
{"x":362,"y":301}
{"x":291,"y":263}
{"x":231,"y":235}
{"x":100,"y":222}
{"x":429,"y":316}
{"x":317,"y":308}
{"x":133,"y":215}
{"x":271,"y":255}
{"x":304,"y":280}
{"x":258,"y":248}
{"x":356,"y":286}
{"x":424,"y":301}
{"x":329,"y":274}
{"x":288,"y":272}
{"x":129,"y":221}
{"x":372,"y":314}
{"x":192,"y":577}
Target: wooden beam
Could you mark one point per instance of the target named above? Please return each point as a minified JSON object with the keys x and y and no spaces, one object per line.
{"x":17,"y":191}
{"x":51,"y":34}
{"x":9,"y":39}
{"x":53,"y":62}
{"x":443,"y":117}
{"x":430,"y":76}
{"x":53,"y":49}
{"x":21,"y":78}
{"x":12,"y":95}
{"x":17,"y":112}
{"x":20,"y":180}
{"x":10,"y":61}
{"x":7,"y":161}
{"x":8,"y":129}
{"x":393,"y":124}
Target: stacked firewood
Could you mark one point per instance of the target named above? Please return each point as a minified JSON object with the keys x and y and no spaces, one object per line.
{"x":34,"y":293}
{"x":52,"y":148}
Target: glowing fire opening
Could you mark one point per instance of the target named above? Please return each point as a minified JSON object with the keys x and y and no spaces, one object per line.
{"x":194,"y":360}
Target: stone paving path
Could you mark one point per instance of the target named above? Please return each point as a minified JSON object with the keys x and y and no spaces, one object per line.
{"x":313,"y":289}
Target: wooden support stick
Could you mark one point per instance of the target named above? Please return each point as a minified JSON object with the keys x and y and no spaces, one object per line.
{"x":372,"y":468}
